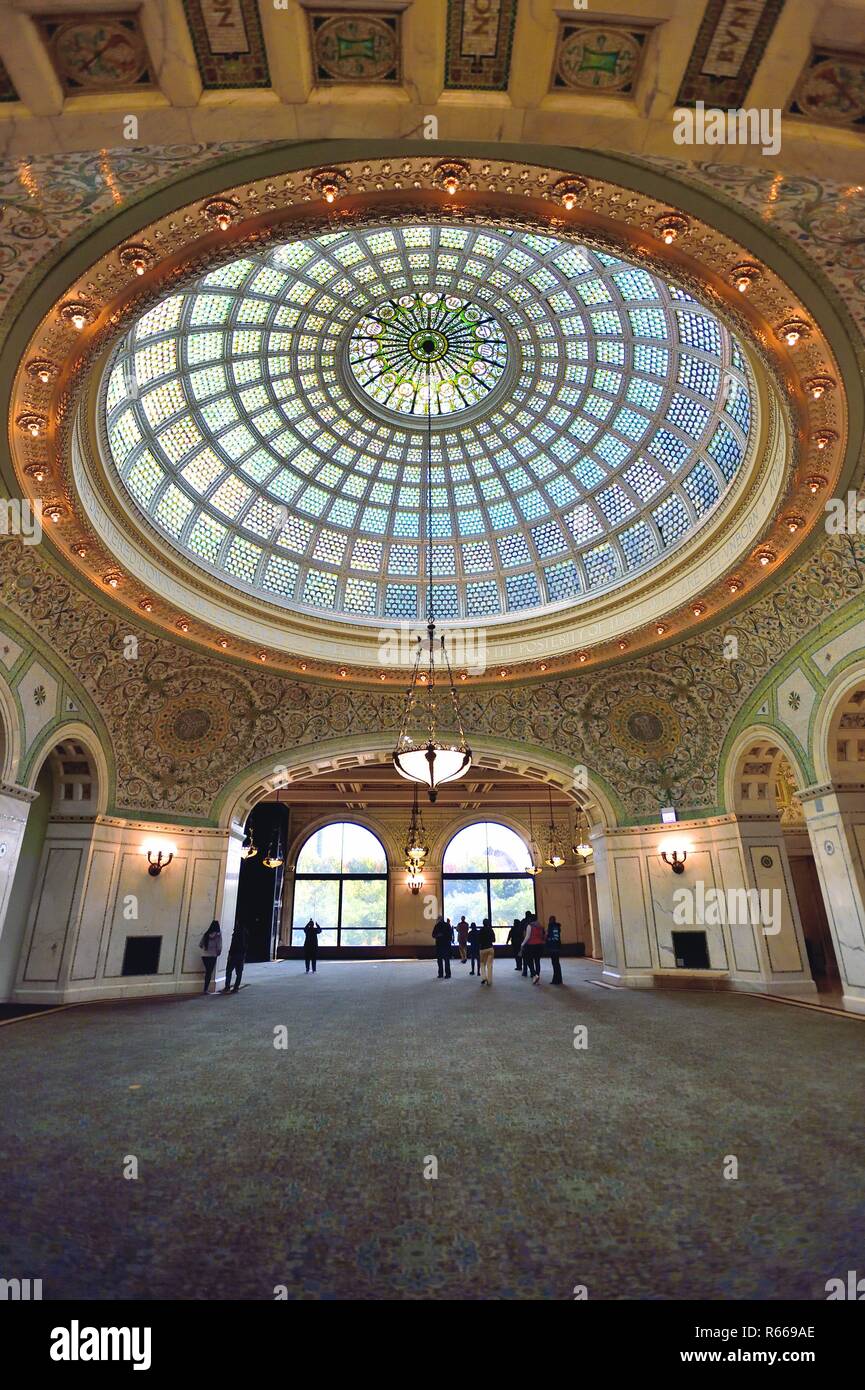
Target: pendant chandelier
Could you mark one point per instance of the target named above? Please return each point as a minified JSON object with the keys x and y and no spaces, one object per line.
{"x":416,"y":849}
{"x":248,"y":849}
{"x":429,"y":760}
{"x":534,"y":867}
{"x":555,"y":853}
{"x":582,"y":849}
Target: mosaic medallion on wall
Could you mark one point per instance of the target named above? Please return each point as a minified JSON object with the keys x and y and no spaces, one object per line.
{"x":228,"y":43}
{"x":479,"y":39}
{"x":97,"y":52}
{"x":645,"y":727}
{"x":729,"y":46}
{"x":355,"y":48}
{"x":598,"y":58}
{"x":192,"y":725}
{"x":832,"y":88}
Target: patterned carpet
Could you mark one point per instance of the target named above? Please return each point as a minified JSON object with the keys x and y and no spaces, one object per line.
{"x":303,"y":1167}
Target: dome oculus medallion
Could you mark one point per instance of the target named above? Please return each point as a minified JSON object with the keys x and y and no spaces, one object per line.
{"x":270,"y":421}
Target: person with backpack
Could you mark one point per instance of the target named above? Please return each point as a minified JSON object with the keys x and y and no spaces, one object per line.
{"x":443,"y":936}
{"x":211,"y":949}
{"x":554,"y":946}
{"x":486,"y":946}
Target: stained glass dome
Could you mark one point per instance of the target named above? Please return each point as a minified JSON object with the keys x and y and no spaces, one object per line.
{"x":270,"y":420}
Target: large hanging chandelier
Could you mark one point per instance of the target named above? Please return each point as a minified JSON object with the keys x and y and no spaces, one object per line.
{"x":429,"y":760}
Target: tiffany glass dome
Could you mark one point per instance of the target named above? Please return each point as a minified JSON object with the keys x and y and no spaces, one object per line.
{"x":270,"y":421}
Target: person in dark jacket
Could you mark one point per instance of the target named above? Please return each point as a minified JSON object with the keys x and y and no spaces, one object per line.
{"x":486,"y":944}
{"x":515,"y":939}
{"x":443,"y":936}
{"x":211,"y":949}
{"x":474,"y":949}
{"x":554,"y":946}
{"x":311,"y":933}
{"x":462,"y":930}
{"x":236,"y":958}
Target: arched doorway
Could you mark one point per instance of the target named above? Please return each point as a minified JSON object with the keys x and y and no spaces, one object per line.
{"x":353,"y":779}
{"x":40,"y":943}
{"x":767,"y":783}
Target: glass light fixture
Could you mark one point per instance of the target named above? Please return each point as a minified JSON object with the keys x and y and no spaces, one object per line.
{"x":430,"y":761}
{"x":274,"y":858}
{"x":533,"y":868}
{"x":248,"y":849}
{"x":555,"y":853}
{"x":416,"y":849}
{"x":582,"y":849}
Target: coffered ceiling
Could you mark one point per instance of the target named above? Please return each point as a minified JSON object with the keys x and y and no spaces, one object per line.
{"x":88,"y":75}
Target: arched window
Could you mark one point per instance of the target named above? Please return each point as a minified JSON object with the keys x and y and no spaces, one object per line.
{"x":340,"y":882}
{"x":484,"y":872}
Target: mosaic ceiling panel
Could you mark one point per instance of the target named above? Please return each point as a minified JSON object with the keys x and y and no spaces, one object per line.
{"x":479,"y":41}
{"x":730,"y":44}
{"x":598,"y":58}
{"x":271,"y":421}
{"x":228,"y":43}
{"x":832,"y":88}
{"x":97,"y":52}
{"x":355,"y":48}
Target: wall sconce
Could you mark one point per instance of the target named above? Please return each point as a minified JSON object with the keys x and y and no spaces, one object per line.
{"x":159,"y":856}
{"x":674,"y":857}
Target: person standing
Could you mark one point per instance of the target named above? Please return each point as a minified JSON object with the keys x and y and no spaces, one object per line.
{"x":474,"y":949}
{"x":532,"y":943}
{"x":311,"y":933}
{"x":211,"y":949}
{"x":462,"y":938}
{"x":236,"y":957}
{"x":515,"y":939}
{"x":443,"y":935}
{"x":554,"y":946}
{"x":525,"y":955}
{"x":486,"y":944}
